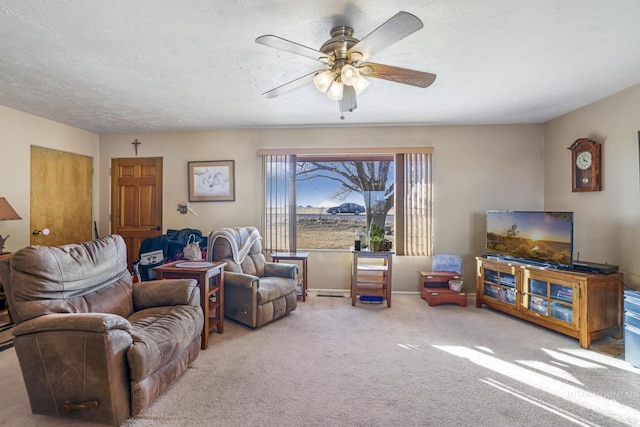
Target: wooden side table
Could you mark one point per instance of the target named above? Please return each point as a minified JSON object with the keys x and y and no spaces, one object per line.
{"x":210,"y":277}
{"x":295,"y":256}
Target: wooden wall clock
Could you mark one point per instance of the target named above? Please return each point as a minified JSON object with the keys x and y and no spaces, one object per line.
{"x":586,"y":165}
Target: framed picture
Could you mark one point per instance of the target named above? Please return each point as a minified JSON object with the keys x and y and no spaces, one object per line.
{"x":212,"y":181}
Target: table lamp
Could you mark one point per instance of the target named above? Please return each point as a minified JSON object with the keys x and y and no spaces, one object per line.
{"x":6,"y":213}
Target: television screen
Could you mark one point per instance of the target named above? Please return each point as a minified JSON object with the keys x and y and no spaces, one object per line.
{"x":540,"y":237}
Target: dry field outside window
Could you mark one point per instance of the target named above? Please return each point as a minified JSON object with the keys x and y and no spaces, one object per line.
{"x":316,"y":229}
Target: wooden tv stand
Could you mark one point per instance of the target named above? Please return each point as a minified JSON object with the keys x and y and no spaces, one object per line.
{"x":581,"y":305}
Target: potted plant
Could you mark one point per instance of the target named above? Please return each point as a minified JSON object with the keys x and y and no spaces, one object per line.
{"x":376,"y":235}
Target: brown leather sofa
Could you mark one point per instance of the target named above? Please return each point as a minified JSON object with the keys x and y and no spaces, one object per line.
{"x":91,"y":344}
{"x":256,"y":292}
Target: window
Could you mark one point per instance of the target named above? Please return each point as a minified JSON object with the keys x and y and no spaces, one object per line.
{"x":337,"y":196}
{"x":316,"y":200}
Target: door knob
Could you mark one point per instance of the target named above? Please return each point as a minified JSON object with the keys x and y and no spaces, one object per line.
{"x":44,"y":232}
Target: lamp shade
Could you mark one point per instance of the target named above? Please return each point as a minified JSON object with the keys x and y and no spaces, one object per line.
{"x":360,"y":84}
{"x":349,"y":75}
{"x":323,"y":80}
{"x":6,"y":211}
{"x":335,"y":91}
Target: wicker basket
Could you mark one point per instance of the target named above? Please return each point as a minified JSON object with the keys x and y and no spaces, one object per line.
{"x":455,"y":285}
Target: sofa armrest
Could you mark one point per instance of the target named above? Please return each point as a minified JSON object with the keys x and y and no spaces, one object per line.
{"x":76,"y":360}
{"x":240,"y":280}
{"x":80,"y":322}
{"x":279,"y":269}
{"x":157,"y":293}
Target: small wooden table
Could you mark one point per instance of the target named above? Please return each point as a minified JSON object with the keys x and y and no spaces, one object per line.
{"x":295,"y":256}
{"x":210,"y":277}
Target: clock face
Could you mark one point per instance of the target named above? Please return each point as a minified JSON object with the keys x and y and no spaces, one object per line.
{"x":583,"y":160}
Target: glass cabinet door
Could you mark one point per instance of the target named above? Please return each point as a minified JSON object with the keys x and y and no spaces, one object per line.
{"x":500,"y":285}
{"x":549,"y":298}
{"x":536,"y":296}
{"x":561,"y":302}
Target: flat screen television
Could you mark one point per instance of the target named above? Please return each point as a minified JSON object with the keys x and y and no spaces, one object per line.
{"x":538,"y":237}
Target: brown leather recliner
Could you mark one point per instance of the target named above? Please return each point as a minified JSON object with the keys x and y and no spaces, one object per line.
{"x":91,"y":344}
{"x":256,"y":292}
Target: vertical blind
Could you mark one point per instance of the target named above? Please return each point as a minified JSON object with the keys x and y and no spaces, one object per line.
{"x":279,"y":202}
{"x":417,"y":204}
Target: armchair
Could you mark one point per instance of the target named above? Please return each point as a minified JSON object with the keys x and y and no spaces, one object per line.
{"x":91,"y":344}
{"x":256,"y":292}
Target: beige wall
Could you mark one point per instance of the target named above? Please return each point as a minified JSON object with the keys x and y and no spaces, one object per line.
{"x":607,"y":226}
{"x":18,"y":132}
{"x":475,"y":168}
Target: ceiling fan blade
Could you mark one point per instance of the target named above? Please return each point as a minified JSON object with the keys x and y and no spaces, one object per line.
{"x":395,"y":29}
{"x":294,"y":84}
{"x":289,"y":46}
{"x":397,"y":74}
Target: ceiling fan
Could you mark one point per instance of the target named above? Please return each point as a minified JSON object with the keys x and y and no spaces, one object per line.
{"x":344,"y":56}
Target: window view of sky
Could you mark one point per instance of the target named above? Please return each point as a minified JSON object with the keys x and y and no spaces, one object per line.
{"x":317,"y":192}
{"x":323,"y":191}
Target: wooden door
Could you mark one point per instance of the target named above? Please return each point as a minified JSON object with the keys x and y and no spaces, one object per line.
{"x":136,"y":201}
{"x":61,"y":197}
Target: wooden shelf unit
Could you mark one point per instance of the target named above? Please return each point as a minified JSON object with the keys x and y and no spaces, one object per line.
{"x":371,"y":275}
{"x":581,"y":305}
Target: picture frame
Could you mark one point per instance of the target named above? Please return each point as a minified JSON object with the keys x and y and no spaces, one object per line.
{"x":212,"y":181}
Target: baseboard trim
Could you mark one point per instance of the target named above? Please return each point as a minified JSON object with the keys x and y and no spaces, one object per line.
{"x":339,"y":293}
{"x":346,"y":292}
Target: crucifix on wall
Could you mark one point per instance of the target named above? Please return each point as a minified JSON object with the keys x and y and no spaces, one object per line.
{"x":135,"y":144}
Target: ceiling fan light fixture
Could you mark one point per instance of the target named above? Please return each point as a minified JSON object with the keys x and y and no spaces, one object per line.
{"x":343,"y":56}
{"x":349,"y":75}
{"x":323,"y":80}
{"x":355,"y":56}
{"x":336,"y":91}
{"x":361,"y":84}
{"x":365,"y":69}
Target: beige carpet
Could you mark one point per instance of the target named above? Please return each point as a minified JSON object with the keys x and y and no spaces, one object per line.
{"x":331,"y":364}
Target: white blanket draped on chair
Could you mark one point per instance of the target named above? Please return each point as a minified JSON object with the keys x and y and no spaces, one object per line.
{"x":241,"y":240}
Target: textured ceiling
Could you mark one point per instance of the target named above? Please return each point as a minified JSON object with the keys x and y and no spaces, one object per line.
{"x":173,"y":65}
